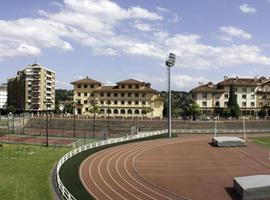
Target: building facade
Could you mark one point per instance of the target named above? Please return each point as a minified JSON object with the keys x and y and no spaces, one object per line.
{"x":33,"y":89}
{"x":252,"y":95}
{"x":128,"y":98}
{"x":3,"y":96}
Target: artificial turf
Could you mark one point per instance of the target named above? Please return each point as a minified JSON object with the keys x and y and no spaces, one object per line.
{"x":25,"y":170}
{"x":265,"y":141}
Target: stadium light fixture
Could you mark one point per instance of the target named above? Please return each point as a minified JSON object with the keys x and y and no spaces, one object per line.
{"x":170,"y":62}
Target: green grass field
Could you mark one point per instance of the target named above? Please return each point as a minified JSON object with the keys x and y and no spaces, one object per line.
{"x":25,"y":170}
{"x":265,"y":141}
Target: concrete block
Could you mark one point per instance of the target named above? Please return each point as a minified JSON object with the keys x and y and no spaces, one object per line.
{"x":226,"y":141}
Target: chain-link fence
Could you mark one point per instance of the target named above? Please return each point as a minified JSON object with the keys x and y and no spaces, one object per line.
{"x":74,"y":130}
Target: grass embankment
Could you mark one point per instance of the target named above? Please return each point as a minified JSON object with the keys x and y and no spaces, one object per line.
{"x":69,"y":171}
{"x":24,"y":171}
{"x":265,"y":141}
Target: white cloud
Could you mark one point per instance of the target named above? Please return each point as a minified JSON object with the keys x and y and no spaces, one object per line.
{"x":231,"y":32}
{"x":175,"y":18}
{"x":143,"y":27}
{"x":245,"y":8}
{"x":104,"y":27}
{"x":186,"y":82}
{"x":161,"y":9}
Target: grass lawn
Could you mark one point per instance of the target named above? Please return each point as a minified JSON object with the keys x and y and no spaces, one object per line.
{"x":263,"y":140}
{"x":24,"y":171}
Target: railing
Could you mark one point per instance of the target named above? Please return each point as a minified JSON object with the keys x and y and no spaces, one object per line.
{"x":64,"y":191}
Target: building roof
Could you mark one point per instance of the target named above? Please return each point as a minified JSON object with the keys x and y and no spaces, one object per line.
{"x":239,"y":82}
{"x":207,"y":88}
{"x":130,"y":81}
{"x":86,"y":80}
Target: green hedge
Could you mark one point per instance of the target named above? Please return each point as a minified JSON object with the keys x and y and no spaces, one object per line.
{"x":69,"y":170}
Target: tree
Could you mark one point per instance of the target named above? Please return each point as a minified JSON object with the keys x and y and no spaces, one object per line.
{"x":10,"y":109}
{"x":233,"y":107}
{"x":146,"y":110}
{"x":193,"y":110}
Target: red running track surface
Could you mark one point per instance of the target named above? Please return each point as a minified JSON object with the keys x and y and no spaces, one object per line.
{"x":178,"y":168}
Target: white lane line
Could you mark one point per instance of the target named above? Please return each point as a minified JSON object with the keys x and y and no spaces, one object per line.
{"x":149,"y":189}
{"x":100,"y":174}
{"x":91,"y":177}
{"x":160,"y":145}
{"x":109,"y":172}
{"x":116,"y":166}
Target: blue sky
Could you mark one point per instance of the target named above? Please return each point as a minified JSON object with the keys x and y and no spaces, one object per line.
{"x":115,"y":40}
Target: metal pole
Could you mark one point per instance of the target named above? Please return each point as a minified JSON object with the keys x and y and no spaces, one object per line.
{"x":169,"y":104}
{"x":94,"y":124}
{"x":47,"y":131}
{"x":74,"y":123}
{"x":244,"y":128}
{"x":108,"y":121}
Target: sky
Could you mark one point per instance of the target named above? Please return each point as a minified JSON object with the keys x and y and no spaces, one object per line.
{"x":114,"y":40}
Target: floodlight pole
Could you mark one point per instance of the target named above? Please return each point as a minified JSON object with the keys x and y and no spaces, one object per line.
{"x":170,"y":62}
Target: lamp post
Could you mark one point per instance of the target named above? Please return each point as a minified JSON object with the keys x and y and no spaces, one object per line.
{"x":170,"y":62}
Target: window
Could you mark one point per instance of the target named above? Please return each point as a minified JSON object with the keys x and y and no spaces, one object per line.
{"x":244,"y":89}
{"x":137,"y":86}
{"x":92,"y":86}
{"x":115,"y":94}
{"x":129,"y":102}
{"x":252,"y":96}
{"x":129,"y":86}
{"x":101,"y":94}
{"x":136,"y":95}
{"x":92,"y":95}
{"x":123,"y":102}
{"x":122,"y":94}
{"x":252,"y":89}
{"x":85,"y":94}
{"x":217,"y":104}
{"x":79,"y":86}
{"x":108,"y":102}
{"x":252,"y":104}
{"x":129,"y":94}
{"x":244,"y":96}
{"x":235,"y":89}
{"x":108,"y":94}
{"x":136,"y":102}
{"x":226,"y":96}
{"x":79,"y":94}
{"x":244,"y":104}
{"x":85,"y":102}
{"x":86,"y":109}
{"x":204,"y":95}
{"x":102,"y":102}
{"x":261,"y":104}
{"x":115,"y":102}
{"x":143,"y":95}
{"x":204,"y":103}
{"x":85,"y":86}
{"x":143,"y":102}
{"x":226,"y":104}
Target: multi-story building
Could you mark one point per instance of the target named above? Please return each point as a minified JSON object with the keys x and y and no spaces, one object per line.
{"x":33,"y":89}
{"x":128,"y":98}
{"x":3,"y":96}
{"x":252,"y":95}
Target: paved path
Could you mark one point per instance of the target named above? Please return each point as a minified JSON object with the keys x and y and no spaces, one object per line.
{"x":179,"y":168}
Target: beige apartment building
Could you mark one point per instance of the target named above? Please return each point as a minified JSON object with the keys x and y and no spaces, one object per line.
{"x":128,"y":98}
{"x":252,"y":95}
{"x":33,"y":89}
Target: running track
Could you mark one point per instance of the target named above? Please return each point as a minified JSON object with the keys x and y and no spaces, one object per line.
{"x":179,"y":168}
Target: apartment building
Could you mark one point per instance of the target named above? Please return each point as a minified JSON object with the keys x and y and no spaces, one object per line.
{"x":33,"y":89}
{"x":252,"y":95}
{"x":3,"y":96}
{"x":128,"y":98}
